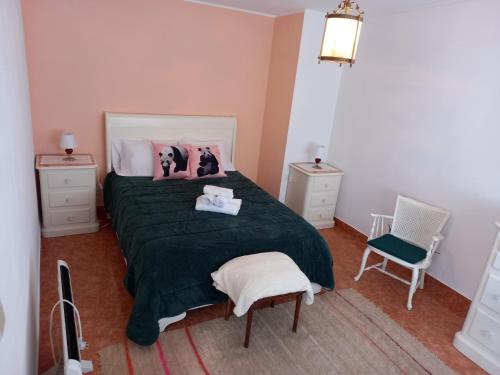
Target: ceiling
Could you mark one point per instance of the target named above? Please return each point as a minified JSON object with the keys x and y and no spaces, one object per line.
{"x":282,"y":7}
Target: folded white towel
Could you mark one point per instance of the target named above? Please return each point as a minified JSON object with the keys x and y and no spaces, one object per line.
{"x":220,"y":201}
{"x":231,"y":207}
{"x":207,"y":199}
{"x":220,"y":191}
{"x":214,"y":200}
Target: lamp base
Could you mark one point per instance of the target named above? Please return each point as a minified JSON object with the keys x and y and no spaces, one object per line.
{"x":68,"y":157}
{"x":317,"y":162}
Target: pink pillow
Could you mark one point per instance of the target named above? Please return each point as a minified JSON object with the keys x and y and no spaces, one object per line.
{"x":205,"y":161}
{"x":170,"y":161}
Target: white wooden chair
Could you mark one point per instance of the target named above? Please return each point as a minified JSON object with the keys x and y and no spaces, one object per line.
{"x":412,"y":241}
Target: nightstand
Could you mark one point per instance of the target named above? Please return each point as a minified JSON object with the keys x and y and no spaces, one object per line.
{"x":312,"y":192}
{"x":68,"y":194}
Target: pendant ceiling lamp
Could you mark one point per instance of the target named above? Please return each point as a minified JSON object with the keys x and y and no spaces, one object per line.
{"x":341,"y":35}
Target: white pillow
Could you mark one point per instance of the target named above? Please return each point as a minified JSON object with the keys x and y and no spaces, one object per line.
{"x":227,"y":165}
{"x":116,"y":148}
{"x":249,"y":278}
{"x":133,"y":157}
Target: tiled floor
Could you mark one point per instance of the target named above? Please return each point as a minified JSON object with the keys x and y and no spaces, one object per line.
{"x":97,"y":271}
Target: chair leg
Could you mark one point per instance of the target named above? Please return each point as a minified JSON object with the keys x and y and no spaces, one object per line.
{"x":413,"y":287}
{"x":384,"y":264}
{"x":363,"y":264}
{"x":422,"y":277}
{"x":297,"y":312}
{"x":249,"y":327}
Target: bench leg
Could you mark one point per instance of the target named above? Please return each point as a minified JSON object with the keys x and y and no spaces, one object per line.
{"x":229,"y":308}
{"x":272,"y":304}
{"x":297,"y":312}
{"x":249,"y":326}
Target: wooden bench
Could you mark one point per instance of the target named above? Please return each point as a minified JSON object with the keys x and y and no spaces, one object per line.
{"x":266,"y":301}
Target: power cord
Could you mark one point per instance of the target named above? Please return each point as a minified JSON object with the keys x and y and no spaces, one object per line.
{"x":104,"y":225}
{"x":82,"y":344}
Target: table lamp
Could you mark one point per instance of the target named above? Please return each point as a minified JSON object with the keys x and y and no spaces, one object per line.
{"x":68,"y":143}
{"x":318,"y":155}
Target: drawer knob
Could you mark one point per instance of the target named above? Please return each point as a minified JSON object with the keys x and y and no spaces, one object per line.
{"x":326,"y":185}
{"x":67,"y":181}
{"x":321,"y":216}
{"x":486,"y":334}
{"x":68,"y":199}
{"x":323,"y":200}
{"x":70,"y":218}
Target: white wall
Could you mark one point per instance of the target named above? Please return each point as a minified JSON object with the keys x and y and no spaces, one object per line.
{"x":19,"y":225}
{"x":314,"y":98}
{"x":419,"y":114}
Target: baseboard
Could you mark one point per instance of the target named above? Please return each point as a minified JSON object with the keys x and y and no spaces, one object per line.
{"x":349,"y":228}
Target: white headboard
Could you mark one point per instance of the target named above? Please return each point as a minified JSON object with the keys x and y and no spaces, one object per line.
{"x":166,"y":127}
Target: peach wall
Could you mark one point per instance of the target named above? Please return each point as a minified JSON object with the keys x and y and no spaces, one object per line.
{"x":282,"y":70}
{"x":144,"y":56}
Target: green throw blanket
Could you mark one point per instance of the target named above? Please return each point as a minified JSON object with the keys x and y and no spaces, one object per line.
{"x":171,"y":249}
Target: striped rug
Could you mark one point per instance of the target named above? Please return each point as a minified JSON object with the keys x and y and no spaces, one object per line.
{"x":341,"y":333}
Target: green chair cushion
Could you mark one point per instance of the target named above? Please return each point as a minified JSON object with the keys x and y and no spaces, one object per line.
{"x":398,"y":248}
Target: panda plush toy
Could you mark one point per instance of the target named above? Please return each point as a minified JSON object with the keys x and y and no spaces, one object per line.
{"x":173,"y":154}
{"x":208,"y":162}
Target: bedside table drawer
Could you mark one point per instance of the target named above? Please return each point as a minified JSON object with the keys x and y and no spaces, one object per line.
{"x":326,"y":183}
{"x":486,"y":330}
{"x":65,"y":217}
{"x":321,"y":214}
{"x":323,"y":199}
{"x":69,"y":198}
{"x":496,"y":262}
{"x":491,"y":294}
{"x":66,"y":178}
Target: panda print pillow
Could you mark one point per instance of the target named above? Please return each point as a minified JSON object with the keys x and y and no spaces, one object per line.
{"x":170,"y":161}
{"x":205,"y":161}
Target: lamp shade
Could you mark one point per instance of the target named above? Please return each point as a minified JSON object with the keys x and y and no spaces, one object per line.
{"x":341,"y":35}
{"x":67,"y":141}
{"x":319,"y":151}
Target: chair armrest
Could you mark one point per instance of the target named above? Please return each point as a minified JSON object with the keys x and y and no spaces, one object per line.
{"x":384,"y":216}
{"x":437,"y":237}
{"x":378,"y":225}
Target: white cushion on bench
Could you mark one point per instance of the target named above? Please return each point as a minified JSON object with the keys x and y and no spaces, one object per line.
{"x":249,"y":278}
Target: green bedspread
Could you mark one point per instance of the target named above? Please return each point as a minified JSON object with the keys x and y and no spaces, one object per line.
{"x":171,"y":249}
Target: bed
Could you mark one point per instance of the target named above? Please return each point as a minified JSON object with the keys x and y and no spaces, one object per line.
{"x":171,"y":249}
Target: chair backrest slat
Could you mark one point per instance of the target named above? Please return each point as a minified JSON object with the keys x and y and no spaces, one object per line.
{"x":417,"y":222}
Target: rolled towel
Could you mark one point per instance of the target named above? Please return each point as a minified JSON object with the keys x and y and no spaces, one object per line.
{"x":220,"y":201}
{"x":220,"y":191}
{"x":207,"y":199}
{"x":231,"y":207}
{"x":214,"y":200}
